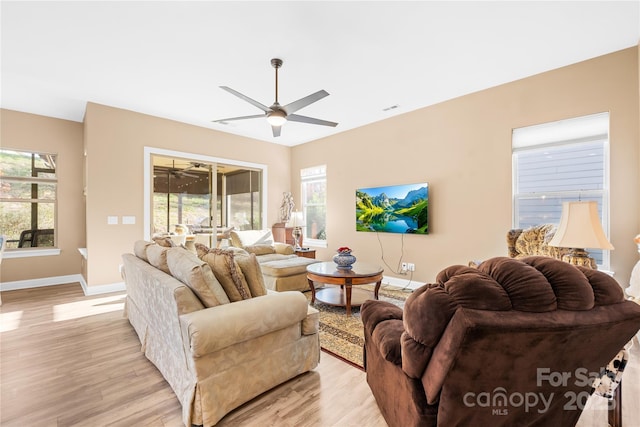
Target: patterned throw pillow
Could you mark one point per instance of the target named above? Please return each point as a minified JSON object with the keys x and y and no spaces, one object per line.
{"x":164,"y":241}
{"x":157,"y":256}
{"x":251,"y":269}
{"x":197,"y":275}
{"x":140,"y":249}
{"x":533,"y":240}
{"x":605,"y":385}
{"x":226,"y":270}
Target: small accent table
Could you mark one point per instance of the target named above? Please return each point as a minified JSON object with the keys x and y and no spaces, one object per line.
{"x":306,"y":253}
{"x":344,"y":295}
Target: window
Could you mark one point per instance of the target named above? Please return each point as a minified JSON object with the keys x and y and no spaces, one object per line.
{"x":181,"y":193}
{"x":28,"y":186}
{"x":561,"y":162}
{"x":242,"y":189}
{"x":314,"y":204}
{"x":203,"y":193}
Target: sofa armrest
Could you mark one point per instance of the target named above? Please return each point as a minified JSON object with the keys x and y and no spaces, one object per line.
{"x":214,"y":328}
{"x":383,"y":327}
{"x":311,"y":323}
{"x":373,"y":312}
{"x":284,"y":248}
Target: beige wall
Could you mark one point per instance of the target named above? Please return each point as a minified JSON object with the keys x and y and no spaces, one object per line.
{"x":462,"y":148}
{"x":37,"y":133}
{"x":115,"y":141}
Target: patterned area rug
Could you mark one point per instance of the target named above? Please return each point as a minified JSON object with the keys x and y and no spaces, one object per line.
{"x":343,"y":336}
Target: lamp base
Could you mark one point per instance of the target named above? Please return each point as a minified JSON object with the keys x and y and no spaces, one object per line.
{"x":296,"y":233}
{"x":577,"y":256}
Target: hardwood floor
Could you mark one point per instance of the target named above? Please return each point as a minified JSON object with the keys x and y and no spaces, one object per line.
{"x":72,"y":360}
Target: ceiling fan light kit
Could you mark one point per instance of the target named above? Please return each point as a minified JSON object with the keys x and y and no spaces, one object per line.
{"x":277,"y":117}
{"x":276,"y":114}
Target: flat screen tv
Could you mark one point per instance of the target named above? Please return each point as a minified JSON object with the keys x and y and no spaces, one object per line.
{"x":393,"y":209}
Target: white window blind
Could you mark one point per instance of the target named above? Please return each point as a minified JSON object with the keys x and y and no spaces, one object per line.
{"x":557,"y":162}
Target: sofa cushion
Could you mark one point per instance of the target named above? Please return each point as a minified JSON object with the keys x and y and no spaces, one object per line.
{"x":197,"y":275}
{"x":286,"y":266}
{"x":140,"y":249}
{"x":260,"y":249}
{"x":273,"y":257}
{"x":157,"y":256}
{"x":528,"y":288}
{"x":226,"y":270}
{"x":252,"y":273}
{"x":571,"y":287}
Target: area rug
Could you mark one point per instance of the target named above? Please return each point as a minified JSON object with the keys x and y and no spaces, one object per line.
{"x":342,"y":335}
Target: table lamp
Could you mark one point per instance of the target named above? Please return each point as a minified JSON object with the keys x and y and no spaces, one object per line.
{"x":580,"y":228}
{"x":297,"y":220}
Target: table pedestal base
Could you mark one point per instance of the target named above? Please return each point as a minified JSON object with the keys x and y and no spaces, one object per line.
{"x":336,"y":296}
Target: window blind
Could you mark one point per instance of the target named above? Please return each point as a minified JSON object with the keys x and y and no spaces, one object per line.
{"x":559,"y":162}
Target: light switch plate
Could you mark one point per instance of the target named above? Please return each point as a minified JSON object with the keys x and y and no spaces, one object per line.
{"x":112,"y":220}
{"x":128,"y":219}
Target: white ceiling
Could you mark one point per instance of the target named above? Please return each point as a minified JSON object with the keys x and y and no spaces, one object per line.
{"x":168,"y":59}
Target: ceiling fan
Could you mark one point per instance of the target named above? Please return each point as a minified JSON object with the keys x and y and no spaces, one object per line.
{"x":177,"y":172}
{"x":277,"y":115}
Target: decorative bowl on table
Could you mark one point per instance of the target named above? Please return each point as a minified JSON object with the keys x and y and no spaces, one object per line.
{"x":343,"y":259}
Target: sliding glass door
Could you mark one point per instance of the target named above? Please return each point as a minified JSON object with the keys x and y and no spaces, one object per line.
{"x":242,"y":195}
{"x":201,"y":196}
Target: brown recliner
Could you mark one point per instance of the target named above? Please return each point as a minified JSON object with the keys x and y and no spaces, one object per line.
{"x":511,"y":343}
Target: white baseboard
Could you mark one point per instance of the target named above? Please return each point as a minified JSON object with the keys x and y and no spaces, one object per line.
{"x":402,"y":283}
{"x":102,"y":289}
{"x":120,"y":286}
{"x":61,"y":280}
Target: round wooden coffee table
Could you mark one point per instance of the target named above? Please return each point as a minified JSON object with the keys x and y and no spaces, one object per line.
{"x":344,"y":295}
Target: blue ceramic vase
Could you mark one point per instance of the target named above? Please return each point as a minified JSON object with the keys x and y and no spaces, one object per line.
{"x":344,"y":260}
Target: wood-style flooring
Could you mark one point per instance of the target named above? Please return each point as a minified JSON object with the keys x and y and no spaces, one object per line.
{"x":72,"y":360}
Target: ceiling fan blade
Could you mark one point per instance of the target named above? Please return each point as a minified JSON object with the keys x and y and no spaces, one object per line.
{"x":256,"y":116}
{"x":276,"y":130}
{"x":310,"y":120}
{"x":294,"y":106}
{"x":190,"y":175}
{"x":246,"y":98}
{"x":303,"y":102}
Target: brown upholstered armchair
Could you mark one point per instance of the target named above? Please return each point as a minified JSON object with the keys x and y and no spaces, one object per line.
{"x":513,"y":342}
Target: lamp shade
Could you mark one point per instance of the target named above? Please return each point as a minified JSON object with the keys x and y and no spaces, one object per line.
{"x":297,"y":219}
{"x":580,"y":227}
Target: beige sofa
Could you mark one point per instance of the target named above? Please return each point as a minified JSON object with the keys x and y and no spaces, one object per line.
{"x":282,"y":269}
{"x":219,"y":354}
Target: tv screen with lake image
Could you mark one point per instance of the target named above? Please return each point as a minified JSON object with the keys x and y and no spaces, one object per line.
{"x":393,"y":209}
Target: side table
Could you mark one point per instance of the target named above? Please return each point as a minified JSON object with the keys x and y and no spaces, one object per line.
{"x":344,"y":295}
{"x":306,"y":253}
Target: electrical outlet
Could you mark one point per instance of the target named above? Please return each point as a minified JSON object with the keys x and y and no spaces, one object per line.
{"x":411,"y":266}
{"x":403,"y":268}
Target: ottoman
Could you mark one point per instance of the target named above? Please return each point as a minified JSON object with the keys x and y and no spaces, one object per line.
{"x":289,"y":274}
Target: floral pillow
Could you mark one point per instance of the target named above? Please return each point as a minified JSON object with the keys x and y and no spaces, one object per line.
{"x":226,"y":270}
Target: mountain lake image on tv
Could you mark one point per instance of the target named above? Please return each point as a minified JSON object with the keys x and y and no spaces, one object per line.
{"x":393,"y":209}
